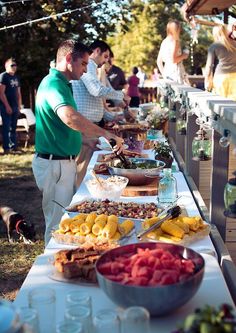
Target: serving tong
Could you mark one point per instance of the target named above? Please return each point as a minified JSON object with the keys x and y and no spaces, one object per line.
{"x":171,"y":213}
{"x":126,"y":163}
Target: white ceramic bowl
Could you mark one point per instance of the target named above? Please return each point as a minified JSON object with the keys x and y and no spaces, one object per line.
{"x":112,"y":187}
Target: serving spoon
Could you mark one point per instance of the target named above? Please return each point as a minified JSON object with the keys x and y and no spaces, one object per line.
{"x":93,"y":173}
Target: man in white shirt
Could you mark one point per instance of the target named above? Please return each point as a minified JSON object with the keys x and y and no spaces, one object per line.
{"x":89,"y":93}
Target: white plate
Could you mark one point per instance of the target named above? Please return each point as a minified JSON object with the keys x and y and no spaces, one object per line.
{"x":57,"y":276}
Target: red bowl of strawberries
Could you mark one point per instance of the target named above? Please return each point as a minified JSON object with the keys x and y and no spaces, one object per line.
{"x":158,"y":276}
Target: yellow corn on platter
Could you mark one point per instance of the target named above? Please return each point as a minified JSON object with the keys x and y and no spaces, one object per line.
{"x":182,"y":230}
{"x":92,"y":228}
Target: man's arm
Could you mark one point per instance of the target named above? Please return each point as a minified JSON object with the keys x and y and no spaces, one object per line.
{"x":78,"y":122}
{"x":4,"y":98}
{"x":19,"y":97}
{"x":97,"y":89}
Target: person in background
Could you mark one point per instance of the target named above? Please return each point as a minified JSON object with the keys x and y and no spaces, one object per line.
{"x":89,"y":94}
{"x":155,"y":74}
{"x":232,"y":34}
{"x":115,"y":75}
{"x":10,"y":103}
{"x":142,"y":77}
{"x":223,"y":80}
{"x":59,"y":129}
{"x":170,"y":56}
{"x":133,"y":90}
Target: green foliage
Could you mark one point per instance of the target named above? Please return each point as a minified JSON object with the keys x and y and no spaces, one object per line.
{"x":34,"y":45}
{"x":138,"y":43}
{"x":162,"y":149}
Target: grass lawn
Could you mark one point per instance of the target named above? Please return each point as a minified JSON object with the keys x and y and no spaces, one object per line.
{"x":19,"y":191}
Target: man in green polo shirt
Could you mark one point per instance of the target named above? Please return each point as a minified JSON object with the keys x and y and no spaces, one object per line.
{"x":59,"y":129}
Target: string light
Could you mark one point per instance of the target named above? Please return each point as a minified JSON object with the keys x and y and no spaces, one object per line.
{"x":68,"y":12}
{"x":12,"y":2}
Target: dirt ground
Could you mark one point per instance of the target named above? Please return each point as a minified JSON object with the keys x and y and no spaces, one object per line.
{"x":18,"y":190}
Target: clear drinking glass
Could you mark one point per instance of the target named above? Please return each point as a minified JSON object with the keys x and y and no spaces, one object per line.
{"x":135,"y":319}
{"x":43,"y":300}
{"x":107,"y":321}
{"x":69,"y":327}
{"x":81,"y":314}
{"x":77,"y":297}
{"x":29,"y":316}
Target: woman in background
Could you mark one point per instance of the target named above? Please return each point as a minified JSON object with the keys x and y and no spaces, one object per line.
{"x":171,"y":55}
{"x":223,"y":81}
{"x":133,"y":90}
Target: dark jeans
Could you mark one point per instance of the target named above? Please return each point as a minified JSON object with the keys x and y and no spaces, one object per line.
{"x":9,"y":122}
{"x":134,"y":102}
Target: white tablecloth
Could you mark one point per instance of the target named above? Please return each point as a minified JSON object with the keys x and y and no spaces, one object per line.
{"x":213,"y":289}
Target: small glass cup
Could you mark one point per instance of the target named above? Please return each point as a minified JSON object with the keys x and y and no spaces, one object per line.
{"x":69,"y":327}
{"x":135,"y":319}
{"x":77,"y":297}
{"x":106,"y":321}
{"x":43,"y":301}
{"x":29,"y":316}
{"x":81,"y":314}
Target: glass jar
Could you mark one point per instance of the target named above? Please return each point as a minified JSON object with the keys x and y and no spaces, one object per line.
{"x":230,"y":197}
{"x":201,"y":147}
{"x":167,"y":189}
{"x":181,"y":126}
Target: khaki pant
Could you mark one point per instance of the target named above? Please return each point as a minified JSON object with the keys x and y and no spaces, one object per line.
{"x":83,"y":159}
{"x":56,"y":180}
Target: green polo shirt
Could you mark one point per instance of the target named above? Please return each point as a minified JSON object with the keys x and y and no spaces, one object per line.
{"x":52,"y":135}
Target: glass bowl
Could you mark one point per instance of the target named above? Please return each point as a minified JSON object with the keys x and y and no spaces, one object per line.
{"x":110,"y":187}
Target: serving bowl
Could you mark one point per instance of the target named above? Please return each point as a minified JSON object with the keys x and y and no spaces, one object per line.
{"x":108,"y":187}
{"x":158,"y":299}
{"x":139,"y":176}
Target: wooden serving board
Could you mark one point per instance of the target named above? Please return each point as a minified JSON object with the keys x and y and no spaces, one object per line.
{"x":141,"y":190}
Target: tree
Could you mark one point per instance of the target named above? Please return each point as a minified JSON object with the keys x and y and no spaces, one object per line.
{"x":137,"y":43}
{"x":35,"y":44}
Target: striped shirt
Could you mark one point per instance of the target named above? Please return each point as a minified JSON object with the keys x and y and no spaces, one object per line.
{"x":89,"y":92}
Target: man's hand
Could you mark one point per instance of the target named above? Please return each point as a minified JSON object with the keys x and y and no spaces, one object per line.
{"x":127,"y":99}
{"x":118,"y":148}
{"x":8,"y":109}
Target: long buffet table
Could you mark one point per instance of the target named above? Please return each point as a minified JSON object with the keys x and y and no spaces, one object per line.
{"x":213,"y":290}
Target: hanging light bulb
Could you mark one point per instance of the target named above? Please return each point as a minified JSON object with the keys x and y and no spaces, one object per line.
{"x":172,"y":113}
{"x":181,"y":124}
{"x":230,"y":197}
{"x":201,"y":146}
{"x":225,"y":140}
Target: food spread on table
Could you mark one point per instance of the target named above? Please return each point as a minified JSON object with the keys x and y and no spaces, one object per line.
{"x":79,"y":263}
{"x":92,"y":228}
{"x":181,"y":229}
{"x":148,"y":267}
{"x":123,"y":209}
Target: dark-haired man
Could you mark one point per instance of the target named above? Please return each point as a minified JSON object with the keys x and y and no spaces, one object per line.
{"x":10,"y":102}
{"x":58,"y":131}
{"x":89,"y":93}
{"x":116,"y":76}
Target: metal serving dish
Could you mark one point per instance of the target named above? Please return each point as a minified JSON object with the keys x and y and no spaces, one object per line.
{"x":159,"y":299}
{"x":137,"y":176}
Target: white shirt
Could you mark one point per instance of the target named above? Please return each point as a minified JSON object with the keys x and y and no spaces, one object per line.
{"x":89,"y":91}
